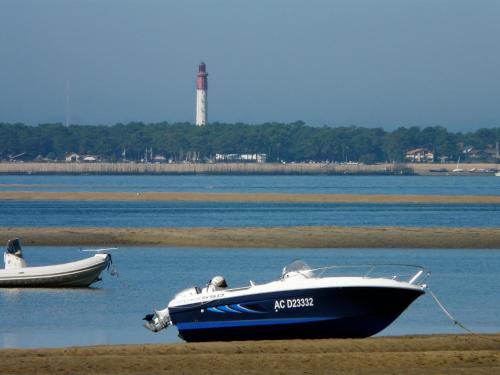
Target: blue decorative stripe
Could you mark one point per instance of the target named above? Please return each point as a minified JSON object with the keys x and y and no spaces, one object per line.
{"x":228,"y":309}
{"x":244,"y":309}
{"x":235,"y":309}
{"x":216,"y":310}
{"x":247,"y":323}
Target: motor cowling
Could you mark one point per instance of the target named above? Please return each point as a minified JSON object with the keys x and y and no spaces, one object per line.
{"x":158,"y":320}
{"x":13,"y":256}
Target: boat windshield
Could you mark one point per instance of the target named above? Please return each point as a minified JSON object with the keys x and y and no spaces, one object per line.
{"x":192,"y":291}
{"x":297,"y":267}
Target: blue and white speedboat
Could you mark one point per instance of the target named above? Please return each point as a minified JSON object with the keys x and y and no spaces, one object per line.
{"x":303,"y":303}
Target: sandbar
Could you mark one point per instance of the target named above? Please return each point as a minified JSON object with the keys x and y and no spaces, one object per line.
{"x":260,"y":237}
{"x":435,"y":354}
{"x":247,"y":197}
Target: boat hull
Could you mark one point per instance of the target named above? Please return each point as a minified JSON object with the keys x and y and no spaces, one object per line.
{"x":69,"y":275}
{"x":337,"y":312}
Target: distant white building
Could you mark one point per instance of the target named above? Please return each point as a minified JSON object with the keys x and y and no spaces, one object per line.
{"x":252,"y":158}
{"x":419,"y":155}
{"x":90,"y":158}
{"x":72,"y":158}
{"x":258,"y":158}
{"x":159,"y":159}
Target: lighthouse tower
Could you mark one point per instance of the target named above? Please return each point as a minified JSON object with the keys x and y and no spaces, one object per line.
{"x":201,"y":95}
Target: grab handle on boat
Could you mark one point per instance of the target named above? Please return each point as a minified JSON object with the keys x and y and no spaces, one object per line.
{"x":99,"y":250}
{"x":417,"y":275}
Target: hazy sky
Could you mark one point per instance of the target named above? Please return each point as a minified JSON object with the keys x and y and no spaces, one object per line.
{"x":352,"y":62}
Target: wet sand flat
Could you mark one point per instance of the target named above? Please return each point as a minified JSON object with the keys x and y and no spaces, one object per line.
{"x":436,"y":354}
{"x":242,"y":197}
{"x":261,"y":237}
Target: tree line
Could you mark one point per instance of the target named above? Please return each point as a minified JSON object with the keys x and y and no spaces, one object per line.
{"x":280,"y":142}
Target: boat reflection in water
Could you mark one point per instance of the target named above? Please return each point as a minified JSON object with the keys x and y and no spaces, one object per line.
{"x":304,"y":303}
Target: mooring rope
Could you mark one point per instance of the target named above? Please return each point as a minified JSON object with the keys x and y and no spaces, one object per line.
{"x":455,"y":321}
{"x":448,"y":314}
{"x":111,"y":267}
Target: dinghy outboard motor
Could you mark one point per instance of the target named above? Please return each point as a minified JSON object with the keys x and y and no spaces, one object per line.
{"x":13,"y":256}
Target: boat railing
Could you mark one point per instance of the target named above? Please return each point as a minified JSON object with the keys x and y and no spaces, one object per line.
{"x":412,"y":274}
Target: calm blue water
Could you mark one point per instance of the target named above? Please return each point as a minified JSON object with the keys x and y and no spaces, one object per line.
{"x":224,"y":214}
{"x":434,"y":185}
{"x":465,"y":280}
{"x":187,"y":214}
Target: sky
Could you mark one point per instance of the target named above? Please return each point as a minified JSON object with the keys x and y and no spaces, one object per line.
{"x":373,"y":63}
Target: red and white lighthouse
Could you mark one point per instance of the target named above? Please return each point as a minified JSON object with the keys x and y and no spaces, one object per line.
{"x":201,"y":95}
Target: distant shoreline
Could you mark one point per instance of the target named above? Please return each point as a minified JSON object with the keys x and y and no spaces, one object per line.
{"x":436,"y":169}
{"x":443,"y":354}
{"x":324,"y":237}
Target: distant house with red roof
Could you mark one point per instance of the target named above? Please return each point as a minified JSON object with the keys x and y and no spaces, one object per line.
{"x":419,"y":155}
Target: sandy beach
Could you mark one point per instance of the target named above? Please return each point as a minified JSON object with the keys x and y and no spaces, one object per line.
{"x":436,"y":354}
{"x":242,"y":197}
{"x":263,"y":237}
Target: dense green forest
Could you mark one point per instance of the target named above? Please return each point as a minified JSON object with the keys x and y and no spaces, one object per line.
{"x":287,"y":142}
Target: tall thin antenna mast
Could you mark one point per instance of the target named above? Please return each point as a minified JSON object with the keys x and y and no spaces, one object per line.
{"x":68,"y":103}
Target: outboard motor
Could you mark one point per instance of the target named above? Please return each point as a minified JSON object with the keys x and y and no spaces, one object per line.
{"x":158,"y":320}
{"x":13,"y":256}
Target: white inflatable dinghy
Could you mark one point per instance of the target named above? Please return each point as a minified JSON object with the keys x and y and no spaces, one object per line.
{"x":80,"y":273}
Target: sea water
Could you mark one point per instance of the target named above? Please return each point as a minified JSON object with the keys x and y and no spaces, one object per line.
{"x":110,"y":312}
{"x":243,"y":214}
{"x":427,"y":185}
